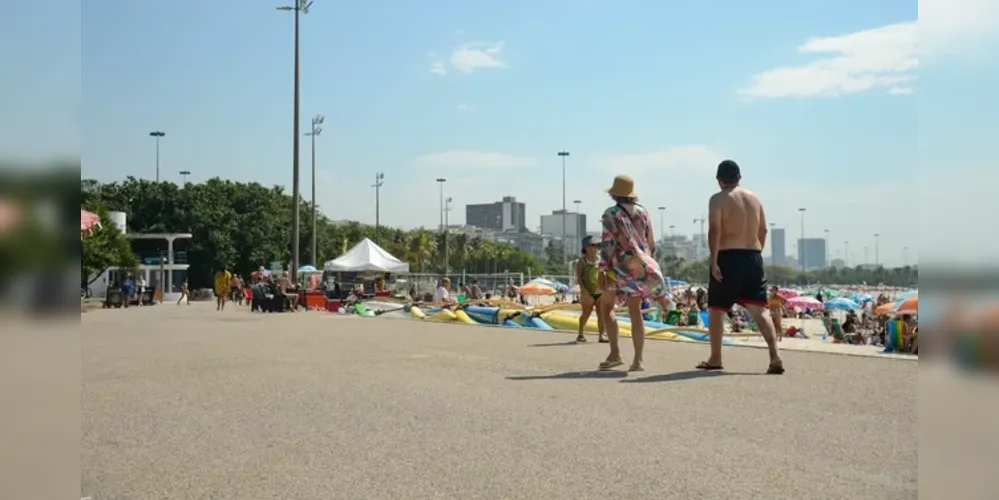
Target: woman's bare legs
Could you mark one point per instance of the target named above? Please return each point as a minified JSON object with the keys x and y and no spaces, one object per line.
{"x":606,"y":309}
{"x":601,"y":320}
{"x":637,"y":332}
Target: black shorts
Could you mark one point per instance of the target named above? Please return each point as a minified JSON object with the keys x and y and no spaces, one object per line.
{"x":743,"y":281}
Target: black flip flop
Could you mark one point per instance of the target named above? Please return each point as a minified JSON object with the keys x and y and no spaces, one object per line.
{"x":775,"y":370}
{"x":703,"y":365}
{"x":581,"y":339}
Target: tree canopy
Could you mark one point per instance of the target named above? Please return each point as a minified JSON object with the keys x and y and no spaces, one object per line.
{"x":242,"y":226}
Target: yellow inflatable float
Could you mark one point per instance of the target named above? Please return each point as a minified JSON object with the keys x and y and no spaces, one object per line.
{"x":570,"y":322}
{"x":462,"y":316}
{"x":443,"y":315}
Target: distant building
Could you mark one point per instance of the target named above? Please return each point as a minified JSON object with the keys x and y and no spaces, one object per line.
{"x":574,"y":231}
{"x":778,"y":252}
{"x":505,"y":215}
{"x":812,"y":253}
{"x":838,"y":263}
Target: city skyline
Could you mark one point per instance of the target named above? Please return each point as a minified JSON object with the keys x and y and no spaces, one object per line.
{"x":461,"y":97}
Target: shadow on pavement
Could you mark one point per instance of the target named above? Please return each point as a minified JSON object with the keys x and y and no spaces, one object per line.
{"x":609,"y":374}
{"x":687,"y":375}
{"x":557,"y":344}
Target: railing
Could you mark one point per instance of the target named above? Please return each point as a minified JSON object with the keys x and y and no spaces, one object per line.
{"x":152,"y":257}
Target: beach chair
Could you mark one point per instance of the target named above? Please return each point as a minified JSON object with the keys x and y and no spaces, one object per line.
{"x":704,"y":318}
{"x":893,"y":336}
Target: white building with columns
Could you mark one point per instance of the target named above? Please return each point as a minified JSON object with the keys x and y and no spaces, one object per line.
{"x":164,"y":267}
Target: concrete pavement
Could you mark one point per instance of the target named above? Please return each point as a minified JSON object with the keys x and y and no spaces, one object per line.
{"x":184,"y":402}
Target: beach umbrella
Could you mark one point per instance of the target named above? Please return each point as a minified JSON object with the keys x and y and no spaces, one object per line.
{"x":907,"y":306}
{"x":573,"y":291}
{"x":787,"y":293}
{"x":841,"y":304}
{"x":886,"y":308}
{"x":308,"y":269}
{"x":88,"y":220}
{"x":672,"y":283}
{"x":537,"y":289}
{"x":804,"y":303}
{"x":862,"y":297}
{"x":541,"y":281}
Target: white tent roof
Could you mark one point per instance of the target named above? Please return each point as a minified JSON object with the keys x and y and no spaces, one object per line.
{"x":367,"y":256}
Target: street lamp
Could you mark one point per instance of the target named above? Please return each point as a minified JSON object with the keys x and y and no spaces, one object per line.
{"x":441,"y":181}
{"x":379,"y":180}
{"x":877,"y":260}
{"x":662,"y":222}
{"x":317,"y":128}
{"x":801,"y":244}
{"x":447,"y":208}
{"x":184,"y":174}
{"x":300,"y":7}
{"x":905,"y":256}
{"x":157,"y":134}
{"x":846,"y":253}
{"x":565,"y":259}
{"x":825,"y":243}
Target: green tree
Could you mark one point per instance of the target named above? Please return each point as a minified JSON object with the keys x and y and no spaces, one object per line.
{"x":103,"y":248}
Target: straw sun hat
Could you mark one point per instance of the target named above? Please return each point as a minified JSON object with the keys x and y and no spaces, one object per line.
{"x":623,"y":187}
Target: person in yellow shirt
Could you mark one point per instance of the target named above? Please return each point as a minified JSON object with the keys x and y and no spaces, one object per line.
{"x":222,"y":279}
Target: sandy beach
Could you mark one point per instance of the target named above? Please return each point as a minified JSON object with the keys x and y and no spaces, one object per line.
{"x":186,"y":402}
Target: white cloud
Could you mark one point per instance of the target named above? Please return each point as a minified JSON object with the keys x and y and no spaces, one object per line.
{"x":480,"y":55}
{"x":437,"y":68}
{"x":900,"y":91}
{"x":463,"y":107}
{"x":473,"y":159}
{"x":693,"y":157}
{"x":951,"y":27}
{"x":851,"y":63}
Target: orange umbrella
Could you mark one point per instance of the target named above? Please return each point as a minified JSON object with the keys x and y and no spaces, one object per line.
{"x":908,"y":306}
{"x":536,"y":289}
{"x":885,"y":308}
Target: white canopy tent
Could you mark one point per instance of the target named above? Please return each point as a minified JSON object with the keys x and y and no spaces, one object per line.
{"x":366,"y":256}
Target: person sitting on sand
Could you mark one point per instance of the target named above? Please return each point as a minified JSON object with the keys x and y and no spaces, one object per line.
{"x":474,"y":291}
{"x":443,"y":296}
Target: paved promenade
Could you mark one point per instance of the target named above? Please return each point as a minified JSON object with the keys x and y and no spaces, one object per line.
{"x":187,"y":403}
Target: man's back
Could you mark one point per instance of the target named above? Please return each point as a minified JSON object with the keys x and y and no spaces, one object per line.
{"x":742,"y":219}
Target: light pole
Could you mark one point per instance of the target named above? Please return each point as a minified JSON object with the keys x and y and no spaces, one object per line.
{"x":184,"y":174}
{"x":300,"y":7}
{"x":379,"y":180}
{"x":157,"y":134}
{"x":801,"y":244}
{"x":447,"y":208}
{"x":672,"y":231}
{"x":580,"y":231}
{"x":565,"y":258}
{"x":905,"y":256}
{"x":825,"y":243}
{"x":700,"y":242}
{"x":662,"y":222}
{"x":866,"y":255}
{"x":773,"y":248}
{"x":846,"y":253}
{"x":877,"y":260}
{"x":317,"y":128}
{"x":441,"y":181}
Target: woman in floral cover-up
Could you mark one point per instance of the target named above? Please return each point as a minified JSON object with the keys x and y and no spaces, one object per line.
{"x":633,"y":275}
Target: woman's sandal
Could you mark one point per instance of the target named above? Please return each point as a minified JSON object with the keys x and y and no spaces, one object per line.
{"x":777,"y":369}
{"x":704,"y":365}
{"x":581,"y":338}
{"x":610,"y":363}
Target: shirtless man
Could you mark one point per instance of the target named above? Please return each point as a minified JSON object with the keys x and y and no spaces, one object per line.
{"x":736,"y":236}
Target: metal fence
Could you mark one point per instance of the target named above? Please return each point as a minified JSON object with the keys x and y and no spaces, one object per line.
{"x":427,"y":283}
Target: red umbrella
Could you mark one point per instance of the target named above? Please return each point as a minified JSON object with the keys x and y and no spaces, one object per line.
{"x":88,"y":220}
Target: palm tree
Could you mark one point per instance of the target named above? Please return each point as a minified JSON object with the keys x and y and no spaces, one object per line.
{"x":422,"y":247}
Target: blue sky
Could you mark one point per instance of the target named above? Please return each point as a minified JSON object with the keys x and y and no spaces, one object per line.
{"x":818,"y":101}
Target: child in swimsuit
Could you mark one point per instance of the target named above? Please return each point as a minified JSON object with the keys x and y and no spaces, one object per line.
{"x":588,"y":276}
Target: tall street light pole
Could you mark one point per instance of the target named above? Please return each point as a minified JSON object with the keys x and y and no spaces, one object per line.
{"x":826,"y":244}
{"x":184,"y":174}
{"x":379,"y":180}
{"x":877,"y":260}
{"x":300,"y":7}
{"x":801,"y":243}
{"x":317,"y":128}
{"x":447,"y":256}
{"x":441,"y":181}
{"x":157,"y":134}
{"x":565,"y":258}
{"x":662,"y":223}
{"x":905,"y":256}
{"x":846,"y":253}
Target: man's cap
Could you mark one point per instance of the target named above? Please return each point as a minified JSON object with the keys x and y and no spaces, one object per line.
{"x":588,"y":240}
{"x":728,"y":171}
